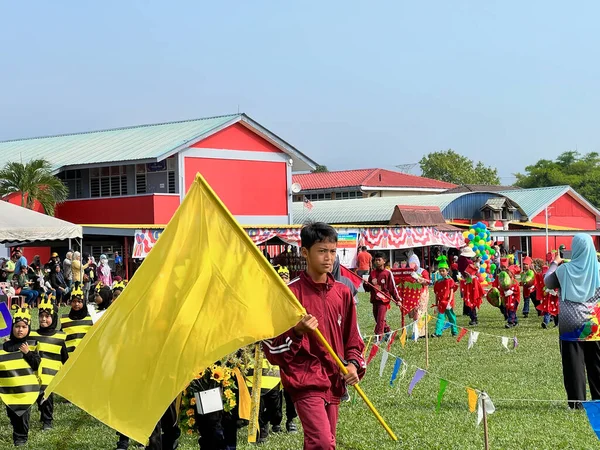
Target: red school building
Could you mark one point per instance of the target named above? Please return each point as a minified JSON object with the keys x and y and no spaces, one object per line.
{"x":138,"y":175}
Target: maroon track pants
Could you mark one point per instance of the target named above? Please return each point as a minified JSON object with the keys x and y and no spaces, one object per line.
{"x":319,"y":421}
{"x":379,"y":311}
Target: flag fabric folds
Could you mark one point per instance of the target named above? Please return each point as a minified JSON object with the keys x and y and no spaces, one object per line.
{"x":420,"y":373}
{"x":592,"y":410}
{"x":395,"y":370}
{"x":443,"y":386}
{"x":472,"y":399}
{"x":204,"y":291}
{"x":384,"y":358}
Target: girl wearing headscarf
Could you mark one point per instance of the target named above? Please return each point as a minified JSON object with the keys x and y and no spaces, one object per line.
{"x":422,"y":277}
{"x":579,"y":325}
{"x":103,"y":298}
{"x":77,"y":322}
{"x":53,"y":354}
{"x":19,"y":361}
{"x":104,"y":272}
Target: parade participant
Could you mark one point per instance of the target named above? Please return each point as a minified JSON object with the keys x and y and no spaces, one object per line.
{"x":529,"y":288}
{"x":118,"y":287}
{"x":380,"y":285}
{"x":471,"y":289}
{"x":271,"y":408}
{"x":19,"y":360}
{"x":77,"y":322}
{"x":549,"y":300}
{"x":444,"y":289}
{"x":290,"y":411}
{"x":103,"y":298}
{"x":511,"y":293}
{"x":301,"y":356}
{"x":53,"y":354}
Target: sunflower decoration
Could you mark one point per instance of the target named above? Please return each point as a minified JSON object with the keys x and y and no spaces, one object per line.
{"x":219,"y":375}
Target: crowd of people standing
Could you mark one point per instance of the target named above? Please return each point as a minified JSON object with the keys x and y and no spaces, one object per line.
{"x":55,"y":277}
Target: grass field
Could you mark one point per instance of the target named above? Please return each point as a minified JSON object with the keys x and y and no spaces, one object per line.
{"x":533,"y":371}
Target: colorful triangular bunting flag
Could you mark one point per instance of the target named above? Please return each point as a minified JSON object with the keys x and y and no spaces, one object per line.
{"x":384,"y":359}
{"x":443,"y":386}
{"x":403,"y":337}
{"x":472,"y":399}
{"x":397,"y":365}
{"x":473,"y":339}
{"x":461,"y":335}
{"x":592,"y":410}
{"x":419,"y":374}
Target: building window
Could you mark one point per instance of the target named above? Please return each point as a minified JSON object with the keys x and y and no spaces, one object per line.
{"x":165,"y":167}
{"x":72,"y":179}
{"x":347,"y":195}
{"x":108,"y":181}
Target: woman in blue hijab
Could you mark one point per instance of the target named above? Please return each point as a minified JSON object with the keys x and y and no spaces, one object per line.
{"x":579,"y":324}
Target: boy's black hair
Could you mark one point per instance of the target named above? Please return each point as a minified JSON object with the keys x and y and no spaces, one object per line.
{"x":380,"y":255}
{"x":314,"y":232}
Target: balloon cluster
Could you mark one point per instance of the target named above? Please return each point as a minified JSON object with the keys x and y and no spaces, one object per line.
{"x":479,"y":239}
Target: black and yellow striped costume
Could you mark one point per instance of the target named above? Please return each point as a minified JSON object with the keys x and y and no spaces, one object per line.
{"x":49,"y":348}
{"x":75,"y":330}
{"x":271,"y":377}
{"x":19,"y":383}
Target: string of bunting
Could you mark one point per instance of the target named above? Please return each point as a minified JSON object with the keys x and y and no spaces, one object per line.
{"x":476,"y":399}
{"x":414,"y":326}
{"x":400,"y":370}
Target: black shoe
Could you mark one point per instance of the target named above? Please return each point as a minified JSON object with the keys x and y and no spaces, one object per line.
{"x":508,"y":325}
{"x":433,"y":335}
{"x":291,"y":427}
{"x":544,"y":325}
{"x":276,"y":429}
{"x":47,"y":426}
{"x":262,"y":436}
{"x":474,"y":322}
{"x":526,"y":315}
{"x":20,"y":443}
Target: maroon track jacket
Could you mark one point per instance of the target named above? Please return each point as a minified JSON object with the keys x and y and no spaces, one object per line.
{"x":307,"y":369}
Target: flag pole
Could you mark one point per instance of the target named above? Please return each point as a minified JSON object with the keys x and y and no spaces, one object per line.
{"x":356,"y":386}
{"x":486,"y":441}
{"x":426,"y":340}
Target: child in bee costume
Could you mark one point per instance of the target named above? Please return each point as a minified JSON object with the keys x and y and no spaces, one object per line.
{"x":271,"y":412}
{"x":77,"y":323}
{"x":53,"y":352}
{"x":19,"y":384}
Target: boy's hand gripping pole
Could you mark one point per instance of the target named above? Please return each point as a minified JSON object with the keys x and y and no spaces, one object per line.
{"x":356,"y":386}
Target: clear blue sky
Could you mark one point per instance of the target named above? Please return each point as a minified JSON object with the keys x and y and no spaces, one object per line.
{"x":352,"y":84}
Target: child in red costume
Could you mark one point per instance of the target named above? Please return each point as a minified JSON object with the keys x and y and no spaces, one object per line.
{"x":512,"y":296}
{"x":308,"y":372}
{"x":549,"y":300}
{"x":529,"y":286}
{"x":471,"y":289}
{"x":381,"y":286}
{"x":444,"y":289}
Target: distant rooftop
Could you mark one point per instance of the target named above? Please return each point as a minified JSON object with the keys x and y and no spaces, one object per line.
{"x":481,"y":188}
{"x":368,"y":178}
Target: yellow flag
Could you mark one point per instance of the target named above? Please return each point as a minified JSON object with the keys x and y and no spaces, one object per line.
{"x":403,"y":337}
{"x":203,"y":292}
{"x":472,"y":399}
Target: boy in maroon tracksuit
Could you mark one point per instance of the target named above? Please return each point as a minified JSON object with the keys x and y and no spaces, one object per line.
{"x":308,"y":373}
{"x":381,"y":286}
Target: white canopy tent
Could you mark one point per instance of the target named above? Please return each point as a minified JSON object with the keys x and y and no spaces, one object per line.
{"x":21,"y":225}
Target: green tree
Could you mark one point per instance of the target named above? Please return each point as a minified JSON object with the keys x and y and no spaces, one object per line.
{"x":34,"y":181}
{"x":451,"y":167}
{"x":581,"y":172}
{"x":320,"y":169}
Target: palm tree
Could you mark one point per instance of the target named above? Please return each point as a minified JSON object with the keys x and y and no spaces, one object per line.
{"x":34,"y":181}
